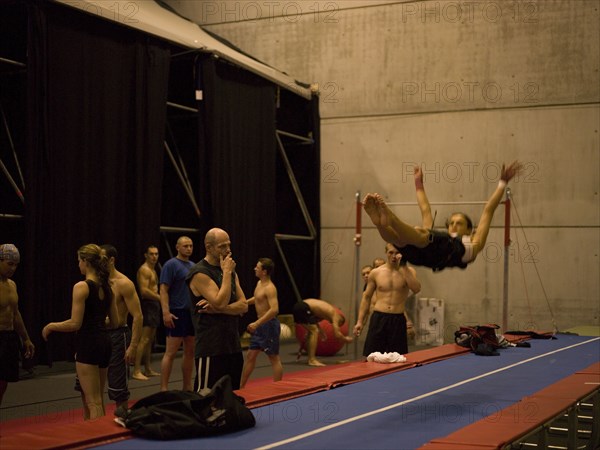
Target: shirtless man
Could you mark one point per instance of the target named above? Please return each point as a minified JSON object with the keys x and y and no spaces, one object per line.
{"x":266,"y":329}
{"x":387,"y":328}
{"x":11,"y":322}
{"x":377,"y":262}
{"x":147,"y":281}
{"x":124,"y":342}
{"x":309,"y":313}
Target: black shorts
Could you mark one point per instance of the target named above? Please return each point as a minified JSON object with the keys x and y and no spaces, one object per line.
{"x":387,"y":333}
{"x":94,"y":349}
{"x":303,"y":314}
{"x":183,"y":324}
{"x":441,"y":252}
{"x":10,"y":354}
{"x":152,"y":313}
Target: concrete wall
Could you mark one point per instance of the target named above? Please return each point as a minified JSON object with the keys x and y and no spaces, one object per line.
{"x":459,"y":87}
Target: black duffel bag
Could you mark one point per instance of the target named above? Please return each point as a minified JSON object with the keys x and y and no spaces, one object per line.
{"x":181,"y":415}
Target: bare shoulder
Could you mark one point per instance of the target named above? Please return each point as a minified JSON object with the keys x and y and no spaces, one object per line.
{"x":8,"y":288}
{"x":122,"y":283}
{"x":146,"y":270}
{"x":81,"y":286}
{"x":380,"y":272}
{"x":143,"y":270}
{"x":10,"y":284}
{"x":271,"y":289}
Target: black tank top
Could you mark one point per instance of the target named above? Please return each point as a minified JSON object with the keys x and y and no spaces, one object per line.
{"x":96,"y":310}
{"x":216,"y":334}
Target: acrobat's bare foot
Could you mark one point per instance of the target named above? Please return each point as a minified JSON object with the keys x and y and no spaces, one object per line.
{"x":315,"y":363}
{"x":382,"y":211}
{"x":139,"y":376}
{"x":370,"y":205}
{"x":151,"y":373}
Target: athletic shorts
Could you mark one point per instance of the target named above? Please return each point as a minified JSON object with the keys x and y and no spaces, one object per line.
{"x":303,"y":314}
{"x":94,"y":349}
{"x":183,"y":324}
{"x":441,"y":252}
{"x":266,"y":337}
{"x":152,"y":313}
{"x":10,"y":354}
{"x":387,"y":333}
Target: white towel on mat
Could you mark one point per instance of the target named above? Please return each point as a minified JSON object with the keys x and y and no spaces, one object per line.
{"x":391,"y":357}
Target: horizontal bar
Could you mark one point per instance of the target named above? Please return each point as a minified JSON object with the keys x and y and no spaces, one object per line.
{"x":14,"y":63}
{"x":11,"y":216}
{"x":437,"y":203}
{"x":185,"y":108}
{"x":290,"y":237}
{"x":179,"y":230}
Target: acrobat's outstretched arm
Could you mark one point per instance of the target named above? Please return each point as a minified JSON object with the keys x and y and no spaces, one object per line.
{"x":483,"y":228}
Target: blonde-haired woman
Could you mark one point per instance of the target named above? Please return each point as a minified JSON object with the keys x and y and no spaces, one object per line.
{"x":93,"y":301}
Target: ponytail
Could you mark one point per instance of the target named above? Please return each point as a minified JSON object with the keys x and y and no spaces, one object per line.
{"x":92,"y":254}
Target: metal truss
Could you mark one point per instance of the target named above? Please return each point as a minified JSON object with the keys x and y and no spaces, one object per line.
{"x":312,"y":232}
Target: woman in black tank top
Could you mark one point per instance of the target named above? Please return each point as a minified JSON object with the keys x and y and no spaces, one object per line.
{"x":92,"y":302}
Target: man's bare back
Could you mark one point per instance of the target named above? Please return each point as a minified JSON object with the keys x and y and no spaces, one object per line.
{"x":122,"y":289}
{"x":326,"y":311}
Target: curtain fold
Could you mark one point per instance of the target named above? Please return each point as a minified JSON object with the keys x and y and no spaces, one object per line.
{"x":97,"y":104}
{"x":237,"y":162}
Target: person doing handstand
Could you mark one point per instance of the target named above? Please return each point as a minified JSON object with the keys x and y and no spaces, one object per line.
{"x":423,"y":246}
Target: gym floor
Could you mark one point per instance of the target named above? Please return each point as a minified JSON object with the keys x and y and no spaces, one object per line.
{"x":49,"y":391}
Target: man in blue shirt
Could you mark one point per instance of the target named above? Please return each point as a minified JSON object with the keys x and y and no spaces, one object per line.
{"x":175,"y":302}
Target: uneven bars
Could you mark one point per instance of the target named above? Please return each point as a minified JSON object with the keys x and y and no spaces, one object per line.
{"x":506,"y":204}
{"x":357,"y":277}
{"x":475,"y":202}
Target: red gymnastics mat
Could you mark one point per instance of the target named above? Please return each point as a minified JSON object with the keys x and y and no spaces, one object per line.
{"x":538,"y":409}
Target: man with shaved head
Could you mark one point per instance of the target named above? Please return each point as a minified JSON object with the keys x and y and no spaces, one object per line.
{"x":11,"y":323}
{"x":175,"y":303}
{"x":218,"y":303}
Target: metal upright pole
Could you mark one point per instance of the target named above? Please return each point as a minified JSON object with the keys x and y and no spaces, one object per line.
{"x":506,"y":260}
{"x":357,"y":277}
